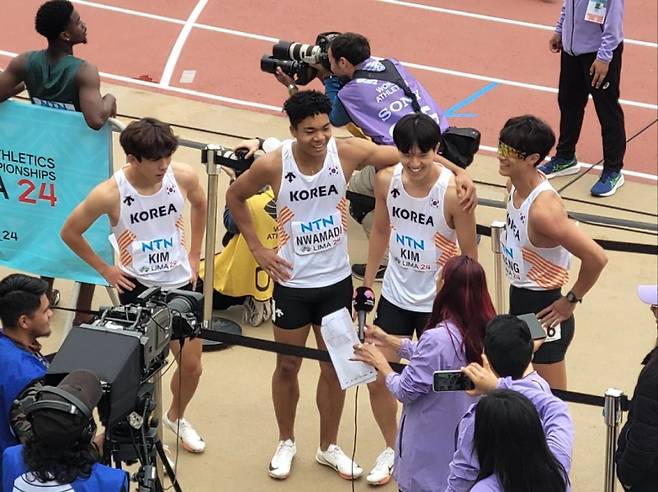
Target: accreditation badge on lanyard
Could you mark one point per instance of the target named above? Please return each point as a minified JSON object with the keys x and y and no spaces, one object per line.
{"x":596,"y":10}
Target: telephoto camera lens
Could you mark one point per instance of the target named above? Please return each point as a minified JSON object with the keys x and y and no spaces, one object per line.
{"x":287,"y":50}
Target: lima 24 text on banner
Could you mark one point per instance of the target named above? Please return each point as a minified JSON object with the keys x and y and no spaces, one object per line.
{"x":49,"y":161}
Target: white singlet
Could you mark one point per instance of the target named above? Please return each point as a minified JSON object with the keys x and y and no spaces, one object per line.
{"x":149,"y":237}
{"x":421,"y":242}
{"x":526,"y":265}
{"x":312,"y":221}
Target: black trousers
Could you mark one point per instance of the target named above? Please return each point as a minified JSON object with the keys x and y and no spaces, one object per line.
{"x":575,"y":87}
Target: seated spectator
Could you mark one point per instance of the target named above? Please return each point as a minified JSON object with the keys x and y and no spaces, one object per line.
{"x":514,"y":453}
{"x":425,"y":442}
{"x":637,"y":452}
{"x":25,"y":314}
{"x":238,"y":279}
{"x":508,"y":349}
{"x":61,"y":455}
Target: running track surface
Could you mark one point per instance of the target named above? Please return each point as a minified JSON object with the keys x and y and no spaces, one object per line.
{"x":452,"y":52}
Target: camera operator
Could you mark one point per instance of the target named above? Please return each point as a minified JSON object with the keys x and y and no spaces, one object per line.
{"x":144,"y":201}
{"x":508,"y":349}
{"x":637,"y":452}
{"x":374,"y":108}
{"x":25,"y":314}
{"x":61,"y":455}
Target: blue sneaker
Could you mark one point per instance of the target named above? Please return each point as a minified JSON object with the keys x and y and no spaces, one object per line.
{"x":608,"y":183}
{"x":558,"y":166}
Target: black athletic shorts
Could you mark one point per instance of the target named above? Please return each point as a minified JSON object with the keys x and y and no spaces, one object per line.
{"x":400,"y":322}
{"x":130,"y":296}
{"x":522,"y":301}
{"x":296,"y":307}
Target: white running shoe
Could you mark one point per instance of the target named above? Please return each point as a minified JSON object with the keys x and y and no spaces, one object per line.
{"x":383,"y":469}
{"x":190,"y":439}
{"x":282,"y":459}
{"x":335,"y":458}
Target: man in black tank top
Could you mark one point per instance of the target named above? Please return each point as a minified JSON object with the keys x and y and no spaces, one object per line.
{"x":77,"y":87}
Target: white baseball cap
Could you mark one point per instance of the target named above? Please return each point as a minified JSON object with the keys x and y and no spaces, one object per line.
{"x":648,"y":294}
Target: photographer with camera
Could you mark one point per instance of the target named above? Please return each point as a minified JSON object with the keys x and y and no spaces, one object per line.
{"x":506,"y":364}
{"x":374,"y":107}
{"x":61,"y":454}
{"x":25,"y":314}
{"x":144,"y":202}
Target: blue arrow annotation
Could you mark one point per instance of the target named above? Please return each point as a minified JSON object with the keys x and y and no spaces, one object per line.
{"x":451,"y":112}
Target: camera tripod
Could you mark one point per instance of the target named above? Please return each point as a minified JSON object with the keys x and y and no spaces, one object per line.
{"x":127,"y":444}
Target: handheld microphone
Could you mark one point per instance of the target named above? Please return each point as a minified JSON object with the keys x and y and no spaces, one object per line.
{"x":364,"y":301}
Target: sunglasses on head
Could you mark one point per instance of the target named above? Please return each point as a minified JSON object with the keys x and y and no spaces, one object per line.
{"x":507,"y":151}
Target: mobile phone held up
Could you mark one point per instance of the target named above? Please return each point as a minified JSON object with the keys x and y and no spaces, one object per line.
{"x":537,"y":332}
{"x":451,"y":381}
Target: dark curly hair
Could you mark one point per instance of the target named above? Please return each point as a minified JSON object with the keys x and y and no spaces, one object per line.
{"x":304,"y":104}
{"x":63,"y":465}
{"x":53,"y":18}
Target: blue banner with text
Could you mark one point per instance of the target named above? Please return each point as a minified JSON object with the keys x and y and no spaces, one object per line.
{"x":49,"y":161}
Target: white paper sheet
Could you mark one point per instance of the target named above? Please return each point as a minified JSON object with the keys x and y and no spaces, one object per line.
{"x":340,"y":337}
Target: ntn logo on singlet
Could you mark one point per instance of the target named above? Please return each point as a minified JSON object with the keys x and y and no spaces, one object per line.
{"x":410,"y":242}
{"x":317,"y":192}
{"x":318,"y":224}
{"x":152,"y":213}
{"x":413,"y":216}
{"x":156,"y":244}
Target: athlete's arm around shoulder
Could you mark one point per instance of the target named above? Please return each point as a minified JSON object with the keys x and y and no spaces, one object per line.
{"x":356,"y":153}
{"x":12,"y":77}
{"x":462,"y":221}
{"x":95,"y":109}
{"x":381,"y":226}
{"x":549,"y":225}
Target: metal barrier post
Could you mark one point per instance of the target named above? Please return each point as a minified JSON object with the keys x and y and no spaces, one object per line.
{"x":497,"y":227}
{"x":208,"y":155}
{"x":612,"y":416}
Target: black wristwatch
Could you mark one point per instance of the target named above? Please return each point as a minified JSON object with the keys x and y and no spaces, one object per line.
{"x":571,"y":297}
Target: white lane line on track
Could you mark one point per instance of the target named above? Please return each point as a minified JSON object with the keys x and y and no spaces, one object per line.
{"x":501,"y":20}
{"x":268,"y":107}
{"x":627,"y":172}
{"x":514,"y":83}
{"x":176,"y":49}
{"x":428,"y":68}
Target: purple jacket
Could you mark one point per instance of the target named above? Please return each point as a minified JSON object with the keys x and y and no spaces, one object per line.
{"x":555,"y":420}
{"x":580,"y":36}
{"x":376,"y":106}
{"x":426,"y":439}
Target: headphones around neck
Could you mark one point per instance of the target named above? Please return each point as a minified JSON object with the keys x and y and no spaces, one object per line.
{"x":72,"y":406}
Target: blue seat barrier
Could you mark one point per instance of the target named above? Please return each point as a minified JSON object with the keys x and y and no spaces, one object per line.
{"x":49,"y":161}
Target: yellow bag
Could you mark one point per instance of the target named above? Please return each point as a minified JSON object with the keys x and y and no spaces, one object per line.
{"x":236,"y":272}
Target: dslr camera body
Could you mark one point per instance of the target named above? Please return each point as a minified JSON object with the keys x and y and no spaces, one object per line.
{"x":295,"y":59}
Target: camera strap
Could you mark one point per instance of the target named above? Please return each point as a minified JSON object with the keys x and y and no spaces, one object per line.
{"x":390,"y":74}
